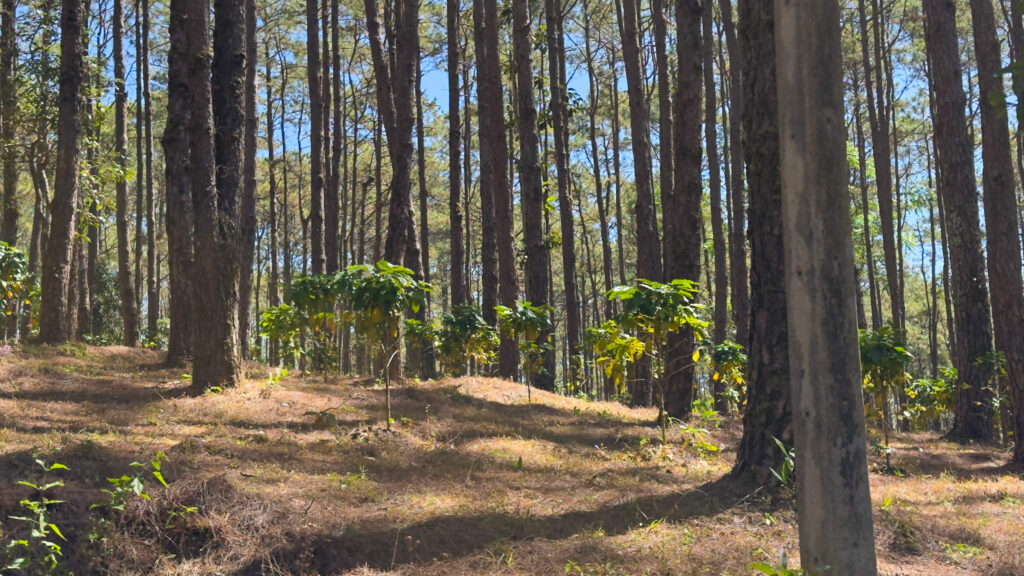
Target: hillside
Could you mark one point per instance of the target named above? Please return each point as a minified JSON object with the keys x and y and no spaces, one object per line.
{"x":299,"y":476}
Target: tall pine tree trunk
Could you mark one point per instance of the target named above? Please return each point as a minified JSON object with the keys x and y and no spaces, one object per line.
{"x":458,"y":291}
{"x":8,"y":109}
{"x":768,"y":414}
{"x":56,"y":268}
{"x":126,"y":285}
{"x":247,"y":203}
{"x":1001,"y":225}
{"x":974,"y":409}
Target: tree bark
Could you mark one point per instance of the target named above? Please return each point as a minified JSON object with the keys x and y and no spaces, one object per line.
{"x":738,"y":277}
{"x":1001,"y":224}
{"x":126,"y":285}
{"x":458,"y":290}
{"x":247,"y":204}
{"x":683,"y":238}
{"x":555,"y":33}
{"x":179,"y":218}
{"x":721,"y":320}
{"x":216,"y":187}
{"x":8,"y":109}
{"x":56,"y":269}
{"x":768,"y":413}
{"x":974,"y":410}
{"x":152,"y":286}
{"x":273,"y":294}
{"x":831,"y":442}
{"x":532,"y":191}
{"x":316,"y":134}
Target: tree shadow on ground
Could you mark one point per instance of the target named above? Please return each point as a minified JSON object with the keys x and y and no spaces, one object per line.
{"x":382,"y":547}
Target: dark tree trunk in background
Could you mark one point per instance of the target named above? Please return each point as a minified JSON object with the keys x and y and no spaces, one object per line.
{"x":56,"y":269}
{"x":273,"y":293}
{"x":560,"y":123}
{"x":974,"y":410}
{"x":497,"y":251}
{"x":316,"y":136}
{"x":683,"y":209}
{"x":532,"y":190}
{"x":1001,"y":224}
{"x":140,"y":156}
{"x":335,"y":251}
{"x":126,"y":285}
{"x":396,"y":81}
{"x":768,"y":413}
{"x":648,"y":262}
{"x":738,"y":279}
{"x":428,"y":362}
{"x":862,"y":179}
{"x":177,"y":177}
{"x":666,"y":135}
{"x":600,"y":189}
{"x":152,"y":287}
{"x":459,"y":293}
{"x":8,"y":108}
{"x":216,"y":188}
{"x":247,"y":203}
{"x":878,"y":118}
{"x":721,"y":321}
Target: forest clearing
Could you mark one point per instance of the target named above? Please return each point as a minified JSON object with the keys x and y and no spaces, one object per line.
{"x":472,"y":480}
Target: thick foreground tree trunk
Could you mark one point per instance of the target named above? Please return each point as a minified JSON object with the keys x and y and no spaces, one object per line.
{"x":833,"y":496}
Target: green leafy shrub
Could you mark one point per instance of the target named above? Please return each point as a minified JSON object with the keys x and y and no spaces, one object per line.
{"x":465,"y":336}
{"x":526,"y":323}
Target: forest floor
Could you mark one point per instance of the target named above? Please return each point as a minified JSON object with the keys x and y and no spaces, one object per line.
{"x":471,"y":480}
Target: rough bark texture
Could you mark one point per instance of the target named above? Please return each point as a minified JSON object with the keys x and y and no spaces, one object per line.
{"x":683,"y":208}
{"x":179,"y":214}
{"x":125,"y":282}
{"x":56,"y":269}
{"x":648,"y":264}
{"x":247,"y":204}
{"x":1001,"y":224}
{"x":8,"y":108}
{"x":974,"y":411}
{"x":152,"y":286}
{"x":768,"y":412}
{"x":459,"y":294}
{"x":215,"y":193}
{"x":878,"y":118}
{"x":316,"y":137}
{"x":532,"y":191}
{"x":721,"y":319}
{"x":553,"y":10}
{"x":833,"y":500}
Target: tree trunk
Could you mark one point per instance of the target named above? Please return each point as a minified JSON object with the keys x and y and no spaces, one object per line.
{"x":247,"y":205}
{"x":316,"y":136}
{"x":152,"y":287}
{"x":458,"y":291}
{"x":179,"y":216}
{"x":721,"y":321}
{"x":862,"y":180}
{"x":738,"y":277}
{"x":600,"y":190}
{"x":683,"y":209}
{"x":531,"y":188}
{"x":560,"y":123}
{"x":8,"y":109}
{"x":648,"y":263}
{"x":833,"y":500}
{"x":974,"y":410}
{"x":126,"y":285}
{"x":1001,"y":225}
{"x":216,"y":187}
{"x":879,"y":120}
{"x":273,"y":294}
{"x":768,"y":413}
{"x":56,"y":269}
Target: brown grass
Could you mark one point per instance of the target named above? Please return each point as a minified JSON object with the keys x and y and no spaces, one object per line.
{"x":472,"y":480}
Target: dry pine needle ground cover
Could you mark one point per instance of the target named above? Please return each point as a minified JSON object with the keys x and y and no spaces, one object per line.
{"x":471,"y":480}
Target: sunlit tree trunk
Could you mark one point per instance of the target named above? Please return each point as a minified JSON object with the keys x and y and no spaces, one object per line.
{"x":833,"y":493}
